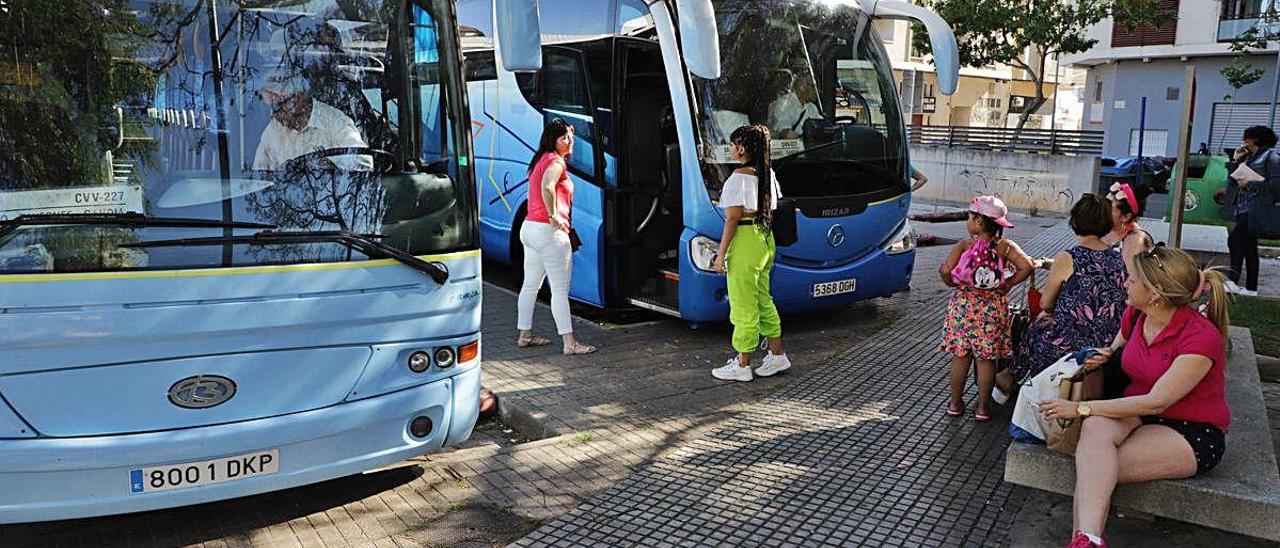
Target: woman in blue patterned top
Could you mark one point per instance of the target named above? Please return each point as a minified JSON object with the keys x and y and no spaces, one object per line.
{"x":1084,"y":296}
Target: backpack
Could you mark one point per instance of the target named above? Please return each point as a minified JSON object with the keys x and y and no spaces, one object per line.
{"x":981,"y":266}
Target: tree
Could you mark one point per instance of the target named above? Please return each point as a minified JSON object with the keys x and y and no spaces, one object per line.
{"x":1025,"y":33}
{"x":1240,"y":72}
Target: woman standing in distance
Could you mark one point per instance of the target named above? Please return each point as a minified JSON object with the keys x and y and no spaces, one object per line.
{"x":548,"y":253}
{"x":1256,"y":151}
{"x":748,"y":199}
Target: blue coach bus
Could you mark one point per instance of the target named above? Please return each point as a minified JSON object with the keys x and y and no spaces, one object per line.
{"x":239,"y":247}
{"x":652,"y":145}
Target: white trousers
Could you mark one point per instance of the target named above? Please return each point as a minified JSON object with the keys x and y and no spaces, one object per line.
{"x":547,"y":255}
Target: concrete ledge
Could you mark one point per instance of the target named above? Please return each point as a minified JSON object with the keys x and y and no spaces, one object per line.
{"x":1241,"y":495}
{"x":1204,"y":238}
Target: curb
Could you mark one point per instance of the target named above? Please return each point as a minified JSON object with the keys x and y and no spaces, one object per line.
{"x":531,"y":423}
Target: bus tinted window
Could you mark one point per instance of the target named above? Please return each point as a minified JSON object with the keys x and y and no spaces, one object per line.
{"x":816,"y":75}
{"x":565,"y":84}
{"x":289,"y":114}
{"x":480,"y":66}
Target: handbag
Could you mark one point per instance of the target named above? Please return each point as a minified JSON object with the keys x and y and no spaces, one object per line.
{"x":1020,"y":318}
{"x":1264,"y":215}
{"x":1033,"y":296}
{"x":1264,"y":206}
{"x":1114,"y":379}
{"x":1084,"y":385}
{"x":575,"y":242}
{"x":784,"y":223}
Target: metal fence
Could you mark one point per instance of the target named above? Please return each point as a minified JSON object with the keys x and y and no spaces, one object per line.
{"x":1037,"y":141}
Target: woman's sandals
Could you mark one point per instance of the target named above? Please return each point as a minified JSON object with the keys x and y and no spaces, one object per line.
{"x":578,"y":349}
{"x":531,"y":340}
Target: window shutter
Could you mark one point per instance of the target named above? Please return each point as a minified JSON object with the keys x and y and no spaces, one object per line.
{"x":1144,"y":35}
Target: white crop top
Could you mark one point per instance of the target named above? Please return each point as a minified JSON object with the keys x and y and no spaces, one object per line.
{"x":740,"y":190}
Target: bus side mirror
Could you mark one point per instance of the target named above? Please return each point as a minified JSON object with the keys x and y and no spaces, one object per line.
{"x":700,"y":38}
{"x":519,"y":34}
{"x":946,"y":56}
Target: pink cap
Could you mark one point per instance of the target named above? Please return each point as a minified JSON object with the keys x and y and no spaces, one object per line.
{"x":991,"y":206}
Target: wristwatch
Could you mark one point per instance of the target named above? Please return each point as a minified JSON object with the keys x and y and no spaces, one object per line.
{"x":1082,"y":409}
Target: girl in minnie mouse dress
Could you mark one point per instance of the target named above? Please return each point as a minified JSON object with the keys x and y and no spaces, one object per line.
{"x":982,"y":269}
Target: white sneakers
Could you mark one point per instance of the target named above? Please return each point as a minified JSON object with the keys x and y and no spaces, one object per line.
{"x":1235,"y":289}
{"x":773,"y":364}
{"x":731,"y":371}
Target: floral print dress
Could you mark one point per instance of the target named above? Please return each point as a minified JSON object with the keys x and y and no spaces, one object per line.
{"x":978,"y":322}
{"x":1086,"y":314}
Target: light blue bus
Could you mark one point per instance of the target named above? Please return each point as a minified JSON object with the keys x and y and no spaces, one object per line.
{"x":239,"y":247}
{"x":651,"y":149}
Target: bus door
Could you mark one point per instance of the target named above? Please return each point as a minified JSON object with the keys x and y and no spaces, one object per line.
{"x":643,"y":213}
{"x":565,"y":93}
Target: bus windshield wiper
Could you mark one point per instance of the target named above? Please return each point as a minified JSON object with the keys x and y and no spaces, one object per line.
{"x":368,"y":244}
{"x":808,"y":150}
{"x":120,"y":219}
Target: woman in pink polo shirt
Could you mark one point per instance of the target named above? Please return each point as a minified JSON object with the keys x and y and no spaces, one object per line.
{"x":1173,"y":418}
{"x":548,"y":249}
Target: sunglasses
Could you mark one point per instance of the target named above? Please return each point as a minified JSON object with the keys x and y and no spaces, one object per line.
{"x":1153,"y":255}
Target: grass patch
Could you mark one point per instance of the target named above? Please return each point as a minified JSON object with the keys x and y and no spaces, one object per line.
{"x":1262,"y":317}
{"x":583,"y":437}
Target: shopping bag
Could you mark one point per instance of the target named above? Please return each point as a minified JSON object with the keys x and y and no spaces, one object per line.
{"x":1084,"y":385}
{"x":1043,"y":386}
{"x":1033,"y":296}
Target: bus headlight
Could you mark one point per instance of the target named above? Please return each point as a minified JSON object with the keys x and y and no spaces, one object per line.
{"x":419,"y":361}
{"x":702,"y":251}
{"x":902,"y":241}
{"x":445,"y":357}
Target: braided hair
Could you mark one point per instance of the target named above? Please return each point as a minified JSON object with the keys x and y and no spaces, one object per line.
{"x":755,"y":139}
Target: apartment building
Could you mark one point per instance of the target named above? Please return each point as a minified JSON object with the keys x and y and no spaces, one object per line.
{"x":1124,"y":67}
{"x":992,"y":96}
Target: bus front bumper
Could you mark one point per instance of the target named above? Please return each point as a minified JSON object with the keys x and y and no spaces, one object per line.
{"x":704,"y":295}
{"x":44,"y":479}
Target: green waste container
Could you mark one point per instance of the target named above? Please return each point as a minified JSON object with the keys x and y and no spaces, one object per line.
{"x":1205,"y":176}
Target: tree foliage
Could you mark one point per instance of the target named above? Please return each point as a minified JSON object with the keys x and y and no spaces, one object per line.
{"x":1240,"y":72}
{"x":61,"y":88}
{"x":1025,"y":33}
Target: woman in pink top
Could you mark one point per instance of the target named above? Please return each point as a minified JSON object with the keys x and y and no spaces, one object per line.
{"x":1127,"y":204}
{"x":548,"y":252}
{"x":1173,"y":418}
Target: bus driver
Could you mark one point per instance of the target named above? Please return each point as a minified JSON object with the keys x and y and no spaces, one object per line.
{"x":301,"y":125}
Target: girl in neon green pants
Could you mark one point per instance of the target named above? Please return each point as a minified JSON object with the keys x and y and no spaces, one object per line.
{"x":748,"y":198}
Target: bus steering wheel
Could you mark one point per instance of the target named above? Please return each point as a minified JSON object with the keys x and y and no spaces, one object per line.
{"x":383,"y":161}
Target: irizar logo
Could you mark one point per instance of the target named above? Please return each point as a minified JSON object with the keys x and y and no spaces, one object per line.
{"x":202,"y":391}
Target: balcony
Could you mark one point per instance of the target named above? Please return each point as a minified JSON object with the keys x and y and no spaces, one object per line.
{"x":1231,"y":29}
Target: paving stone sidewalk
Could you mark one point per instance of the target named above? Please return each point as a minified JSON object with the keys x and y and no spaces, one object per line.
{"x":857,"y":453}
{"x":647,"y":390}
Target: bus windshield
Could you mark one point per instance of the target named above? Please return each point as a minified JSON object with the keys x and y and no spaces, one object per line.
{"x":816,"y":75}
{"x":303,"y":115}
